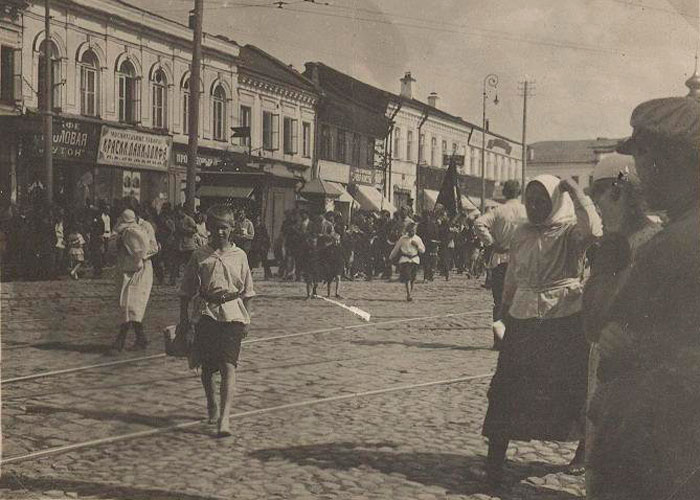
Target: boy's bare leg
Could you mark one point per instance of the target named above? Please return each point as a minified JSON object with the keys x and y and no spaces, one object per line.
{"x":208,"y":384}
{"x":228,"y":380}
{"x":408,"y":291}
{"x":337,"y":286}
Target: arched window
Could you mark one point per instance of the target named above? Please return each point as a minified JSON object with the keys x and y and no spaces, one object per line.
{"x":127,"y":92}
{"x":219,"y":113}
{"x":88,"y":84}
{"x":159,"y":99}
{"x":433,"y":151}
{"x":186,"y":106}
{"x":55,"y":75}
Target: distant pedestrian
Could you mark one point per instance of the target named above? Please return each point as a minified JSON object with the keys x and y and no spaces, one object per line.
{"x":76,"y":254}
{"x":309,"y":265}
{"x":219,"y":277}
{"x":330,"y":257}
{"x":408,"y":250}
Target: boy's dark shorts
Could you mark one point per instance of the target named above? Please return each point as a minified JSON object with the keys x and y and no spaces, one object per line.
{"x":218,"y":342}
{"x":407,"y":272}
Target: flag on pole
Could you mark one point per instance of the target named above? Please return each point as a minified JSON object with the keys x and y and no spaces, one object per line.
{"x":449,"y":196}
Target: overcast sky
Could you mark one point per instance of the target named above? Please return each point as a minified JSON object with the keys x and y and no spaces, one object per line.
{"x":593,"y":61}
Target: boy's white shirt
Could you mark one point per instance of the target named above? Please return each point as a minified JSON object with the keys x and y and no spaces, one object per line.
{"x":410,"y":248}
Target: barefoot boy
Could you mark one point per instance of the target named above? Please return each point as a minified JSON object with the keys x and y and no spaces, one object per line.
{"x":408,"y":248}
{"x":219,"y":279}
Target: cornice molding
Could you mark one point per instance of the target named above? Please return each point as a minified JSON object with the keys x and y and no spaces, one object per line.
{"x":278,"y":89}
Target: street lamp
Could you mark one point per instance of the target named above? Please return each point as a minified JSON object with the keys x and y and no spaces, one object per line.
{"x":491,"y":80}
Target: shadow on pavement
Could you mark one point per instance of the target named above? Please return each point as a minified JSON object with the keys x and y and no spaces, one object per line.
{"x":421,"y":345}
{"x":22,"y":483}
{"x":107,"y":415}
{"x":446,"y":470}
{"x":67,"y":346}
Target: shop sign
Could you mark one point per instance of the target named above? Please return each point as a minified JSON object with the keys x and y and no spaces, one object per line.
{"x":204,"y":161}
{"x":72,"y":140}
{"x":133,"y":149}
{"x":366,"y":176}
{"x":458,"y":159}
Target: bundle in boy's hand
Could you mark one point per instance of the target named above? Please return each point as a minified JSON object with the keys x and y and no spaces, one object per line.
{"x":499,"y":329}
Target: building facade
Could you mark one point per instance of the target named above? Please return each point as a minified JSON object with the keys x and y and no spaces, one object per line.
{"x":120,"y":79}
{"x":569,"y":159}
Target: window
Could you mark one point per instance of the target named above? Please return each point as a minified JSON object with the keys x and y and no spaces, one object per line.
{"x":421,"y":148}
{"x":340,"y":146}
{"x":397,"y":142}
{"x":290,"y":136}
{"x":127,"y":92}
{"x":433,"y":151}
{"x":409,"y":145}
{"x":355,"y":153}
{"x":271,"y":131}
{"x":370,"y":152}
{"x":454,"y":148}
{"x":10,"y":74}
{"x":246,"y":120}
{"x":159,"y":100}
{"x":88,"y":83}
{"x":306,"y":138}
{"x":186,"y":107}
{"x":55,"y":76}
{"x":326,"y":143}
{"x":472,"y":161}
{"x":219,"y":113}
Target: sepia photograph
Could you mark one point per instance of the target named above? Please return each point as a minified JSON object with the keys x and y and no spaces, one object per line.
{"x":350,"y":249}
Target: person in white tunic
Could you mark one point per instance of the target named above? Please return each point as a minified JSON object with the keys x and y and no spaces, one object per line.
{"x":134,"y":271}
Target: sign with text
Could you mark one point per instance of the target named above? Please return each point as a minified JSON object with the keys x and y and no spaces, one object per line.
{"x":204,"y":160}
{"x":72,"y":140}
{"x":459,"y":160}
{"x":366,"y":176}
{"x":133,"y":149}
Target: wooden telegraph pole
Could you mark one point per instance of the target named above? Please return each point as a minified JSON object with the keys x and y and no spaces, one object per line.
{"x":48,"y":104}
{"x":527,"y":87}
{"x":192,"y":144}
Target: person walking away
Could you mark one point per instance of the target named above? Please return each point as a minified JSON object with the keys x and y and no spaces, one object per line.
{"x":76,"y":254}
{"x":260,"y":247}
{"x":645,"y":407}
{"x":496,"y":229}
{"x":539,"y":388}
{"x":616,"y":191}
{"x":408,"y":250}
{"x":218,"y":277}
{"x":135,"y":247}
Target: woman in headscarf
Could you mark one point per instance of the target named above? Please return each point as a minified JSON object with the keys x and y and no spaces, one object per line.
{"x":539,"y":388}
{"x":645,"y":409}
{"x":136,"y":245}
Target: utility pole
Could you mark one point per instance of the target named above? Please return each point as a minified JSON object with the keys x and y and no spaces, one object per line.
{"x":527,"y":88}
{"x":421,"y":146}
{"x":490,"y":80}
{"x":193,"y":141}
{"x":48,"y":103}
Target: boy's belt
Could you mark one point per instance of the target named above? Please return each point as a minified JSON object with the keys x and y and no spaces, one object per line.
{"x":215,"y":299}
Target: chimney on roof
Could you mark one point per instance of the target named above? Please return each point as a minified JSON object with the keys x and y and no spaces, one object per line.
{"x":433,"y":99}
{"x":406,"y":90}
{"x":311,"y":72}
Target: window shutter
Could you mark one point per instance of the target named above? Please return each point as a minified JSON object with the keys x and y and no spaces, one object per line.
{"x":17,"y":75}
{"x":275,"y":132}
{"x":295,"y":137}
{"x":136,"y":103}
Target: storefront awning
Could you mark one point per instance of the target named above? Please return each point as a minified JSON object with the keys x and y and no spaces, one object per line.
{"x":344,"y":195}
{"x":224,"y":192}
{"x":319,"y":187}
{"x":369,"y":198}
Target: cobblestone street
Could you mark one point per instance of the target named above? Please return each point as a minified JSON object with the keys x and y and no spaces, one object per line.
{"x":410,"y":443}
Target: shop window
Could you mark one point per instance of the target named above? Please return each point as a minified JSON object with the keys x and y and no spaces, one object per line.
{"x":340,"y":146}
{"x":306,"y":134}
{"x":369,"y":158}
{"x":127,"y":95}
{"x":159,"y":100}
{"x":326,"y":143}
{"x":10,"y":74}
{"x":397,"y":142}
{"x":433,"y":151}
{"x":290,"y":136}
{"x":88,"y":84}
{"x":271,"y":131}
{"x":219,"y":113}
{"x":409,"y":145}
{"x":246,"y":119}
{"x":55,"y":76}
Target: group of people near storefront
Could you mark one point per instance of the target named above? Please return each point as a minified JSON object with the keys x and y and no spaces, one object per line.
{"x":612,"y":361}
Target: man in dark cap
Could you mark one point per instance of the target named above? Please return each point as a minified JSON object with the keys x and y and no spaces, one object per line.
{"x":646,"y":405}
{"x":496,"y":229}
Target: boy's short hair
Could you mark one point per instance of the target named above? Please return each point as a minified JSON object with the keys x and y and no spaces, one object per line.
{"x":221,"y":213}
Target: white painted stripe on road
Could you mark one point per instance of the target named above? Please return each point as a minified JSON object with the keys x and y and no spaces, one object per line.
{"x":355,"y":310}
{"x":251,"y":341}
{"x":185,"y":425}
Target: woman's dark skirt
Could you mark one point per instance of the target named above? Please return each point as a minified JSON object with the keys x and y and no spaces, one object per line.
{"x":217,"y":342}
{"x":407,"y":272}
{"x":539,"y":389}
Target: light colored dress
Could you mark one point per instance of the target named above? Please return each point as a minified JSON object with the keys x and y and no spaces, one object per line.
{"x":134,"y":269}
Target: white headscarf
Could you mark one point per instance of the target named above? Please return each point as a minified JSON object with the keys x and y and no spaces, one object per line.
{"x":562,"y":207}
